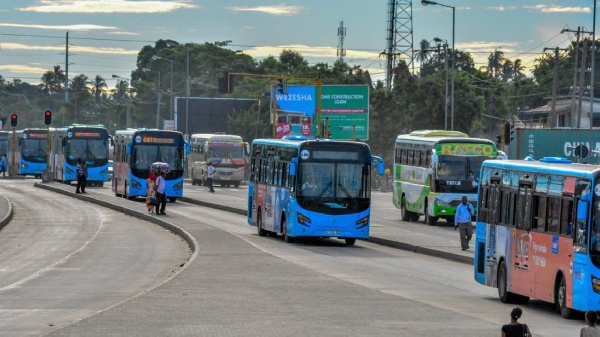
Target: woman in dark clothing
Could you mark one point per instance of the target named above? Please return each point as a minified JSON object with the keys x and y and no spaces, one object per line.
{"x":514,"y":328}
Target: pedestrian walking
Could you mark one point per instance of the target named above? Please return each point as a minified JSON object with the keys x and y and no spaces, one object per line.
{"x":150,"y":191}
{"x":514,"y":328}
{"x":209,"y":177}
{"x":462,"y":220}
{"x":81,"y":170}
{"x":160,"y":194}
{"x":590,"y":329}
{"x":3,"y":165}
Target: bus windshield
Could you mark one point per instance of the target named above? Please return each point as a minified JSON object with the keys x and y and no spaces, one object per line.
{"x":33,"y":150}
{"x":334,"y":187}
{"x":145,"y":155}
{"x":595,"y":234}
{"x":93,"y":151}
{"x":226,"y":152}
{"x":453,"y":170}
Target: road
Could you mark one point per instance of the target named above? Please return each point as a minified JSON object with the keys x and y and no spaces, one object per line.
{"x":63,"y":260}
{"x":322,"y":287}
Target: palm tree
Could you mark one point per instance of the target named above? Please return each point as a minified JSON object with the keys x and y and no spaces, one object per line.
{"x":518,"y":68}
{"x":424,"y":52}
{"x":495,"y":61}
{"x":59,"y":78}
{"x":507,"y":71}
{"x":98,"y":86}
{"x":48,"y":82}
{"x":79,"y":85}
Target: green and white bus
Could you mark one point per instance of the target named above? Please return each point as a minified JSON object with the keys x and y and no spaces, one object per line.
{"x":433,"y":169}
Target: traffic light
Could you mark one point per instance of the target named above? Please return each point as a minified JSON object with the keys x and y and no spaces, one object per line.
{"x":499,"y":139}
{"x":13,"y":120}
{"x":506,"y":129}
{"x":225,"y":84}
{"x":48,"y":117}
{"x":280,"y":86}
{"x":512,"y":134}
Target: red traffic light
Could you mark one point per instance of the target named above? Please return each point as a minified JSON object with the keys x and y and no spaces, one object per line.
{"x":48,"y":117}
{"x":13,"y":120}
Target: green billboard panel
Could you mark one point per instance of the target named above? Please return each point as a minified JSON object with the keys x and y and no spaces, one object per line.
{"x":346,"y":110}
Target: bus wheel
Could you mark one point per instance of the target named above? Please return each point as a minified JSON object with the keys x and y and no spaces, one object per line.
{"x":172,"y":199}
{"x":406,"y":216}
{"x":561,"y":300}
{"x":430,"y":220}
{"x":504,"y":295}
{"x":286,"y":237}
{"x":350,"y":241}
{"x":261,"y":231}
{"x":236,"y":184}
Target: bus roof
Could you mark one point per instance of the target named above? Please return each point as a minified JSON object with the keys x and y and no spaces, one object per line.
{"x":215,"y":136}
{"x":543,"y":166}
{"x":298,"y":143}
{"x":438,"y":133}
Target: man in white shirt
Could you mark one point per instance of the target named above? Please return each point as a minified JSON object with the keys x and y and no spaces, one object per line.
{"x":160,"y":193}
{"x":209,"y":177}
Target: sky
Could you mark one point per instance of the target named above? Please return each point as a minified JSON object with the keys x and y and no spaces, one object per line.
{"x":105,"y":36}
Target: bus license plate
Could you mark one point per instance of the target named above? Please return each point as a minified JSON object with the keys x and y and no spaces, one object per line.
{"x":333,"y":232}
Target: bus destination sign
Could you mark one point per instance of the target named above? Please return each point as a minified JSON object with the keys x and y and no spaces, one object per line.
{"x":158,"y":140}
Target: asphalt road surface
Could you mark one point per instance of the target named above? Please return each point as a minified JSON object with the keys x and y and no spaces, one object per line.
{"x":427,"y":295}
{"x":63,"y":260}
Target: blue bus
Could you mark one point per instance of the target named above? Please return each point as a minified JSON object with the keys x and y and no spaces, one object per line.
{"x":136,"y":149}
{"x":538,"y":226}
{"x":31,"y":152}
{"x":90,"y":143}
{"x":310,"y":188}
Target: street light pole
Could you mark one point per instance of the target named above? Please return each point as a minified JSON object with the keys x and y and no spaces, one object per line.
{"x":157,"y":94}
{"x":425,"y":3}
{"x":156,"y":57}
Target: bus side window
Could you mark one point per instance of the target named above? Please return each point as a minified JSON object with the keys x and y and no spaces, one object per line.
{"x":539,"y":213}
{"x":553,"y":220}
{"x":566,"y":218}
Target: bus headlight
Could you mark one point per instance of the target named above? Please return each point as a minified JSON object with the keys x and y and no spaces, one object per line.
{"x":441,"y":202}
{"x":135,"y":184}
{"x":364,"y":222}
{"x":178,"y":186}
{"x":23,"y":165}
{"x":303,"y":220}
{"x":596,"y":284}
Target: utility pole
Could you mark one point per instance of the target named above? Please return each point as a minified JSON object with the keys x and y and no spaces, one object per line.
{"x":66,"y":72}
{"x":582,"y":80}
{"x":551,"y":122}
{"x":575,"y":109}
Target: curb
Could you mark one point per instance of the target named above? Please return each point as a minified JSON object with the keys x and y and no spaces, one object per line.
{"x":422,"y":250}
{"x":8,"y":215}
{"x":216,"y":206}
{"x":189,"y":239}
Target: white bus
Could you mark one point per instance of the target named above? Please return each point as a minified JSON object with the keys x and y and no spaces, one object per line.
{"x":228,"y":154}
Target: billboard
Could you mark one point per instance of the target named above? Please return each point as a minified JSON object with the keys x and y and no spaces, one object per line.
{"x":207,"y":114}
{"x":344,"y":107}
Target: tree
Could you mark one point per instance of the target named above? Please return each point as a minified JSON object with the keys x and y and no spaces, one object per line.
{"x":98,"y":86}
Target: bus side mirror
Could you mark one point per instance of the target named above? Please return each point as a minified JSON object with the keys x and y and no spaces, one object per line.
{"x":381,"y":168}
{"x":247,"y":148}
{"x":582,"y":210}
{"x":292,"y":169}
{"x":128,"y":149}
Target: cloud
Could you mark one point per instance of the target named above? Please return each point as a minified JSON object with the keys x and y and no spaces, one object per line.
{"x":74,"y":49}
{"x":558,"y":9}
{"x":502,"y":8}
{"x":279,"y":10}
{"x":106,"y":6}
{"x":82,"y":28}
{"x":309,"y":52}
{"x":20,"y":68}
